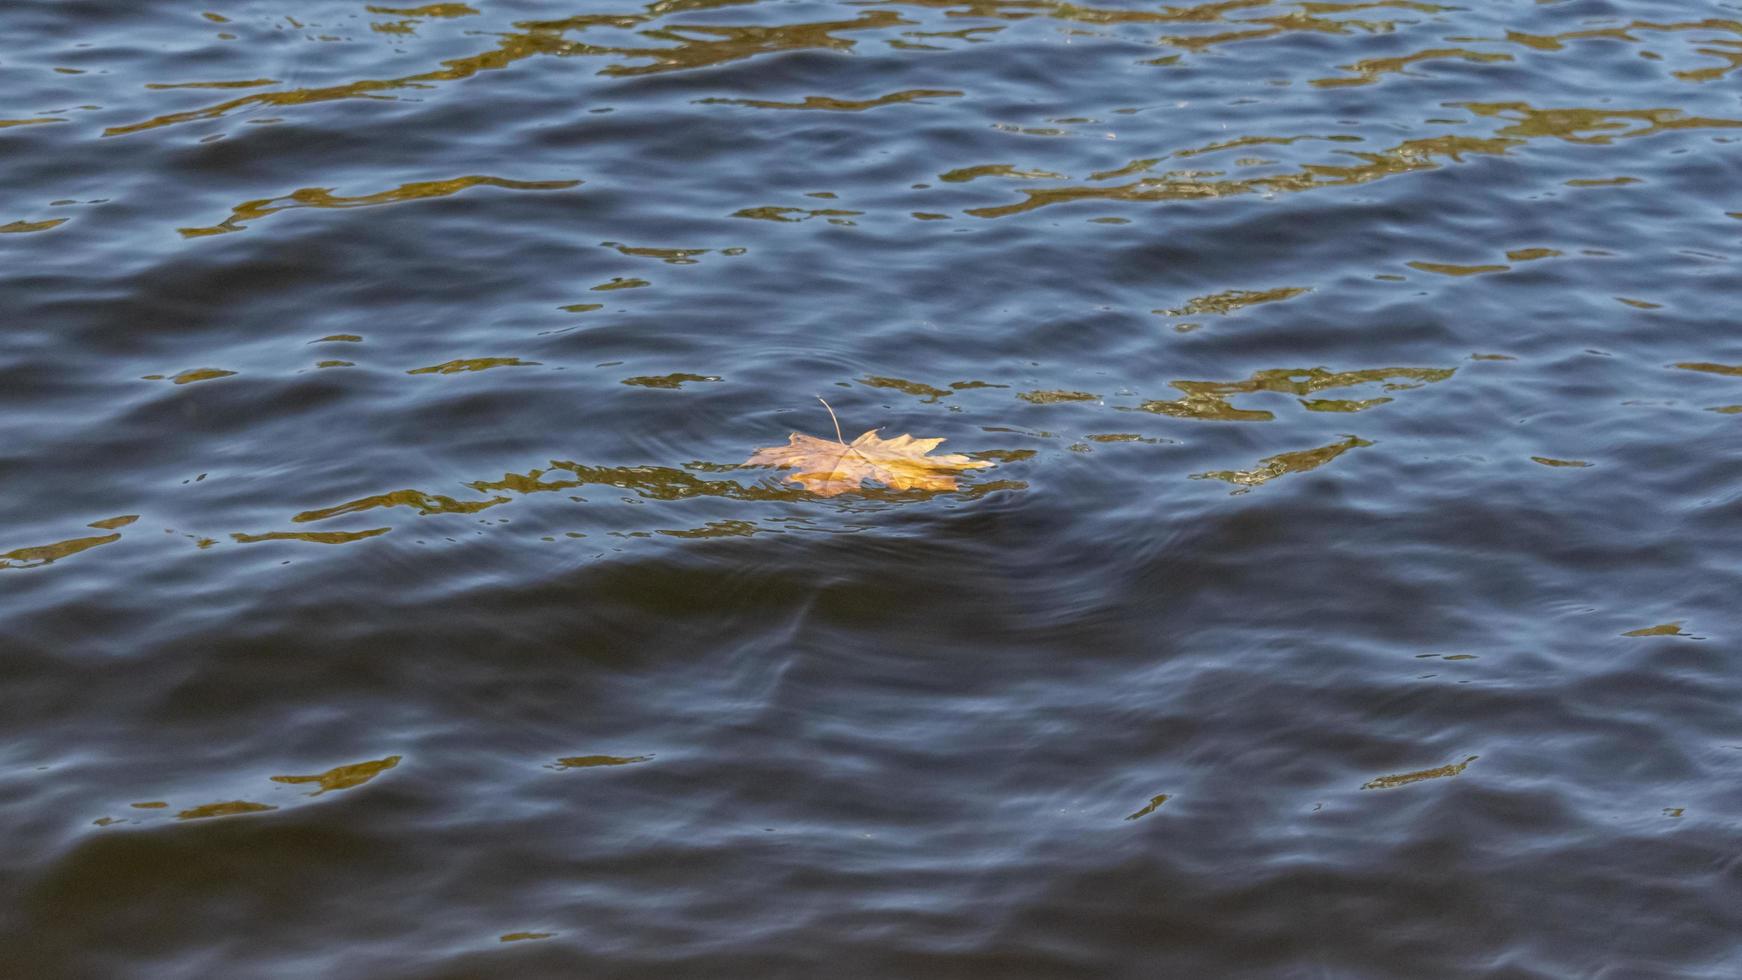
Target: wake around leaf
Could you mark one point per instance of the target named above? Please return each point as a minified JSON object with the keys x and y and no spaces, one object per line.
{"x":829,"y":469}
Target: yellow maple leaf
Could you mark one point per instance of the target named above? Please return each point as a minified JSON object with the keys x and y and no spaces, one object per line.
{"x":828,"y":469}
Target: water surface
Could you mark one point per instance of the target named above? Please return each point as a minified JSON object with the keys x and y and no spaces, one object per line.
{"x":1352,"y":592}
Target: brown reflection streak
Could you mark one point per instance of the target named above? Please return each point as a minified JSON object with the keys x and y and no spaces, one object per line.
{"x":196,"y":374}
{"x":1662,"y":629}
{"x":1594,"y":126}
{"x":1732,"y":59}
{"x":1404,"y":779}
{"x":1524,"y":123}
{"x":717,"y":45}
{"x":343,"y":777}
{"x":229,"y":809}
{"x":589,"y":761}
{"x":772,"y":213}
{"x":718,"y":529}
{"x":1370,"y":71}
{"x":1532,"y":254}
{"x":1341,"y":404}
{"x":1407,"y":157}
{"x":668,"y":380}
{"x":1231,"y":301}
{"x":47,"y":554}
{"x":1154,"y":804}
{"x":1709,"y":368}
{"x":841,"y":105}
{"x":465,"y":364}
{"x":323,"y":197}
{"x":914,"y":388}
{"x":1449,"y":269}
{"x":432,"y":10}
{"x":965,"y":174}
{"x":1208,"y":400}
{"x":721,"y":44}
{"x":424,"y":503}
{"x":1054,"y":397}
{"x":249,"y":83}
{"x":1204,"y":13}
{"x":313,"y":537}
{"x":1282,"y":464}
{"x":1301,"y":21}
{"x":26,"y":227}
{"x":1732,"y":62}
{"x":670,"y":256}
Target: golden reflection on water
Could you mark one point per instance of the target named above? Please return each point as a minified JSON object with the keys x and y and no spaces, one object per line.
{"x":1593,"y":126}
{"x":1523,"y":123}
{"x":675,"y":380}
{"x":965,"y":174}
{"x":430,"y":10}
{"x":424,"y":503}
{"x":1232,"y":301}
{"x":227,"y":809}
{"x":36,"y":557}
{"x":917,"y":389}
{"x":670,"y":256}
{"x":1208,"y":400}
{"x":312,"y":537}
{"x":191,"y":375}
{"x":1450,"y":269}
{"x":323,"y":197}
{"x":590,"y":761}
{"x":1056,"y":396}
{"x":1710,"y":368}
{"x":1532,"y":254}
{"x":1342,"y":404}
{"x":719,"y":529}
{"x":841,"y":105}
{"x":1283,"y":464}
{"x":244,"y":83}
{"x":1662,"y":629}
{"x":26,"y":227}
{"x":1154,"y":804}
{"x":1404,"y":779}
{"x":465,"y":364}
{"x":1407,"y":157}
{"x":343,"y":777}
{"x":836,"y":216}
{"x":1370,"y":71}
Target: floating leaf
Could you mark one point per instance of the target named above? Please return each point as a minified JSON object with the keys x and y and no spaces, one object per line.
{"x":829,"y":469}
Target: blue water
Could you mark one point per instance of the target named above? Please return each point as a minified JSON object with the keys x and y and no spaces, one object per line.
{"x":1351,"y":591}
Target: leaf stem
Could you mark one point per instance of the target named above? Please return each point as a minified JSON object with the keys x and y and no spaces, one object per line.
{"x":838,"y":437}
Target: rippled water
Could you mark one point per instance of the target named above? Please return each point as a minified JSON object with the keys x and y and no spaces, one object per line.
{"x":1353,"y":591}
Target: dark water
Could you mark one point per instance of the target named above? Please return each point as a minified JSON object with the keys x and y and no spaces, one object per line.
{"x":1354,"y":592}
